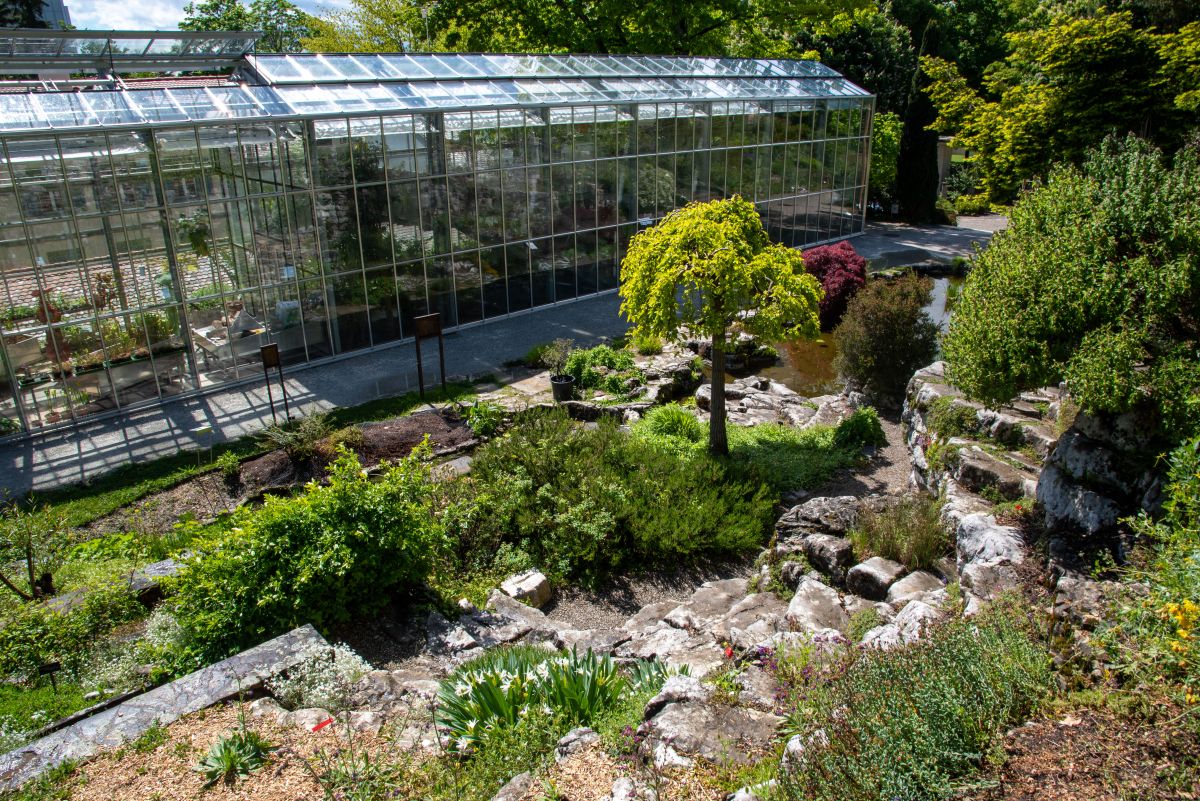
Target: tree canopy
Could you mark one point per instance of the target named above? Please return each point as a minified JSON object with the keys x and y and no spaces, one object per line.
{"x":282,"y":23}
{"x":708,"y":267}
{"x":1095,"y":282}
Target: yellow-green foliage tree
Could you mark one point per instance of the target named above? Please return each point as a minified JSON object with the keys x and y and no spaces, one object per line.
{"x":707,"y":268}
{"x":1061,"y":89}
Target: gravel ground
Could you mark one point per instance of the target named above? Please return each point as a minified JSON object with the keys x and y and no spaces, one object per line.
{"x":887,"y":471}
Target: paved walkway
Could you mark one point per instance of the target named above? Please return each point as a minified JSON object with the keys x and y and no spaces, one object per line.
{"x":76,"y":455}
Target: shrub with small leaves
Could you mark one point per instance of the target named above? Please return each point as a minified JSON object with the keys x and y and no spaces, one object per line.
{"x":298,"y":438}
{"x":860,"y":430}
{"x":602,"y":368}
{"x":324,"y":679}
{"x":230,"y":467}
{"x":484,"y":418}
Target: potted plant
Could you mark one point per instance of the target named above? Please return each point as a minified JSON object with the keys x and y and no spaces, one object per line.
{"x":555,"y":356}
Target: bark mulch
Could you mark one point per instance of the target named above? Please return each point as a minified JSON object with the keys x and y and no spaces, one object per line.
{"x":1097,"y":755}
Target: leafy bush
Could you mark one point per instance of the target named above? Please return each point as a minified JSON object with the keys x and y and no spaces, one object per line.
{"x":971,"y":205}
{"x":34,"y":634}
{"x":672,"y":420}
{"x":299,"y":438}
{"x":496,"y":690}
{"x":351,"y":436}
{"x":35,"y":542}
{"x":861,"y":429}
{"x":886,"y":336}
{"x":229,"y":466}
{"x":909,"y":531}
{"x":842,"y":272}
{"x":323,"y":680}
{"x":484,"y":418}
{"x":602,"y":368}
{"x":910,"y":722}
{"x":582,"y":502}
{"x":1158,"y":637}
{"x":319,"y":557}
{"x":647,"y":344}
{"x":1095,"y":283}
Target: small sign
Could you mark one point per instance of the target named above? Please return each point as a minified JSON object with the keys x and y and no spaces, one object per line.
{"x":428,"y":325}
{"x":270,"y":355}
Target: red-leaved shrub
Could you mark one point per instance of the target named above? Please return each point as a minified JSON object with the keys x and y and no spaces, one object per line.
{"x":842,"y":272}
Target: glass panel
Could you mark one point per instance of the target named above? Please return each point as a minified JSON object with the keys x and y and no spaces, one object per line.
{"x":348,"y":307}
{"x":494,"y":289}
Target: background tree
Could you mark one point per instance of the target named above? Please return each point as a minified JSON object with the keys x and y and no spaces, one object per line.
{"x":21,"y":14}
{"x":282,"y":23}
{"x":380,"y":26}
{"x":710,"y":268}
{"x":886,"y":130}
{"x":1095,"y":282}
{"x":1058,"y":93}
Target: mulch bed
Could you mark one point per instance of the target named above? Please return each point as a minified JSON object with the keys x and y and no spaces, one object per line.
{"x":395,"y":439}
{"x":1095,"y":755}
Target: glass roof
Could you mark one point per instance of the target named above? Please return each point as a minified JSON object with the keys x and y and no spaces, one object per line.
{"x":342,"y":68}
{"x":509,"y":83}
{"x":24,"y":50}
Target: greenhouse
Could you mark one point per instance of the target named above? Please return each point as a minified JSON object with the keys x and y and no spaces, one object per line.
{"x":157,"y":231}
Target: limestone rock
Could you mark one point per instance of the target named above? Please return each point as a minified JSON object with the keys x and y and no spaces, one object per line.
{"x":872,"y":578}
{"x":574,"y":741}
{"x":986,"y":580}
{"x":980,"y":538}
{"x":532,"y":587}
{"x":1070,"y":505}
{"x":914,"y":585}
{"x":677,"y":689}
{"x":914,"y":618}
{"x":816,"y":607}
{"x":716,"y":733}
{"x":515,"y":789}
{"x":821,"y":515}
{"x":830,"y":554}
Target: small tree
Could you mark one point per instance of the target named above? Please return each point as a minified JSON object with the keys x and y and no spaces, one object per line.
{"x":36,"y":542}
{"x":708,"y":267}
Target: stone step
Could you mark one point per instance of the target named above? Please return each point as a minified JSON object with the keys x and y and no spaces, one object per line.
{"x":980,"y":471}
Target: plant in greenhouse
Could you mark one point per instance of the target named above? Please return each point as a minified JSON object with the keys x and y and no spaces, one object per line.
{"x":710,"y":268}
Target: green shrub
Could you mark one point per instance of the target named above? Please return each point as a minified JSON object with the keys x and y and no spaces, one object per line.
{"x":912,"y":722}
{"x":860,"y":430}
{"x":647,"y":344}
{"x":950,"y":419}
{"x":584,"y":501}
{"x":298,"y":438}
{"x":33,"y":635}
{"x":320,"y":557}
{"x":484,"y":418}
{"x":863,"y":621}
{"x":1157,"y":637}
{"x":971,"y":205}
{"x":673,"y":420}
{"x":34,"y":543}
{"x":909,"y":531}
{"x":886,"y":336}
{"x":1094,"y":282}
{"x":229,"y":466}
{"x":602,"y":368}
{"x":351,"y":437}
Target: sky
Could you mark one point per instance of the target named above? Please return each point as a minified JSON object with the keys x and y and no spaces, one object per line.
{"x":103,"y":15}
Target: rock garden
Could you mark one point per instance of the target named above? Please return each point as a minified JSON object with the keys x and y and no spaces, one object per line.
{"x":687,"y":581}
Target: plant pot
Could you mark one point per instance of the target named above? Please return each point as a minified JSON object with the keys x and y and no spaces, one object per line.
{"x":563,"y":387}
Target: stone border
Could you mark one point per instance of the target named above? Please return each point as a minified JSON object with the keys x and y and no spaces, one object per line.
{"x":163,"y":705}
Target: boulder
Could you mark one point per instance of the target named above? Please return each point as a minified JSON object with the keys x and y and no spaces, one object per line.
{"x":986,"y":580}
{"x":720,"y":734}
{"x":979,"y":470}
{"x":574,"y":741}
{"x":675,"y":690}
{"x":516,"y":788}
{"x":816,"y":607}
{"x":872,"y":579}
{"x":979,"y":538}
{"x":531,"y":587}
{"x":914,"y":618}
{"x":751,"y":620}
{"x":913,"y":586}
{"x":821,"y":515}
{"x":853,"y":604}
{"x":830,"y":554}
{"x":1067,"y":504}
{"x":882,"y":638}
{"x":600,"y":641}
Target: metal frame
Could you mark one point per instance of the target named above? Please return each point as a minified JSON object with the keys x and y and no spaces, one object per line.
{"x":19,"y":54}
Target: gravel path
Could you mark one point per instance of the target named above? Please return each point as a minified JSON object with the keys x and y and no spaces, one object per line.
{"x":887,"y":472}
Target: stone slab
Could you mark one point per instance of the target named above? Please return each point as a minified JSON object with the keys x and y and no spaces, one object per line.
{"x":163,"y":705}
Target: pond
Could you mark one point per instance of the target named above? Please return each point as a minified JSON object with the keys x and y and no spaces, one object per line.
{"x":807,"y":366}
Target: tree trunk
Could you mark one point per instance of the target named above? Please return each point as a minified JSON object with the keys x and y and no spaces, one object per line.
{"x":718,"y":443}
{"x":24,"y":597}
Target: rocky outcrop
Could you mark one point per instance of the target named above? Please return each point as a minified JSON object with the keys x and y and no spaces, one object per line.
{"x":754,"y":400}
